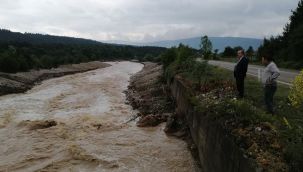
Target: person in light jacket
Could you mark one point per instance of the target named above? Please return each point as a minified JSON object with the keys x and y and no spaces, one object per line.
{"x":269,"y":80}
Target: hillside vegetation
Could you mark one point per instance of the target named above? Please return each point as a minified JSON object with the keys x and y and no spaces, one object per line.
{"x":288,"y":47}
{"x":22,"y":52}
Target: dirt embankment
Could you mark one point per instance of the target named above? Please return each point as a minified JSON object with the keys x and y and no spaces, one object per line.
{"x":23,"y":81}
{"x":152,"y":98}
{"x":147,"y":94}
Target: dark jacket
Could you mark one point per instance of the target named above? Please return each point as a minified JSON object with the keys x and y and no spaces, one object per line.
{"x":241,"y":68}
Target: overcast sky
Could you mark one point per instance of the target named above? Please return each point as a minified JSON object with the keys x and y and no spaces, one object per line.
{"x":147,"y":20}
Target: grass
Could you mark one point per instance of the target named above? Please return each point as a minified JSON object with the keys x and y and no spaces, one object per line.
{"x":255,"y":94}
{"x":287,"y":123}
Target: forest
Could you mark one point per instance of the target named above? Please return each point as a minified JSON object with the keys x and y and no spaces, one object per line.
{"x":25,"y":51}
{"x":287,"y":48}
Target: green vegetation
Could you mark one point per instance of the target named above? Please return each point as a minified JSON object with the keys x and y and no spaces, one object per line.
{"x":22,"y":52}
{"x":276,"y":142}
{"x":288,"y":47}
{"x":206,"y":47}
{"x":296,"y":92}
{"x":230,"y":54}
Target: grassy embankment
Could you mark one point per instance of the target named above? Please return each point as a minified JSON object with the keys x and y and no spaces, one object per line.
{"x":276,"y":142}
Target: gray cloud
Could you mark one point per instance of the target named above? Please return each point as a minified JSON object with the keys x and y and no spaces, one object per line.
{"x":146,"y":20}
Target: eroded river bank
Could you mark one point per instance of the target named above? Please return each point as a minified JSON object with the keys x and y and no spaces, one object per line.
{"x":78,"y":123}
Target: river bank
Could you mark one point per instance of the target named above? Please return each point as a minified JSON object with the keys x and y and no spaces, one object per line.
{"x":148,"y":93}
{"x":79,"y":123}
{"x":23,"y":81}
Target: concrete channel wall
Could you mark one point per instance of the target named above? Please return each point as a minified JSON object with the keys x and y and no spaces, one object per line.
{"x":217,"y":150}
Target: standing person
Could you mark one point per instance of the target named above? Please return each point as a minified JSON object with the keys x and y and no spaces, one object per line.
{"x":269,"y":77}
{"x":240,"y":72}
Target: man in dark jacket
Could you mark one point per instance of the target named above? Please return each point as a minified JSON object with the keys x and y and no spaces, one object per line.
{"x":240,"y":72}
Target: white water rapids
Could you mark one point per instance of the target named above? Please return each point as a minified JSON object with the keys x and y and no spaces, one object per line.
{"x":91,"y":133}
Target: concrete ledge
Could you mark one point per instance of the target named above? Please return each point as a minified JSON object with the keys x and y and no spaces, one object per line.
{"x":217,"y":150}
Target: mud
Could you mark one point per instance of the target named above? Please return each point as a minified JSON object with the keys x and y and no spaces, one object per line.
{"x":150,"y":96}
{"x":23,"y":81}
{"x":80,"y":122}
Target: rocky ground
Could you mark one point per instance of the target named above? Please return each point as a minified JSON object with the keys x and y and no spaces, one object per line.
{"x":23,"y":81}
{"x":149,"y":95}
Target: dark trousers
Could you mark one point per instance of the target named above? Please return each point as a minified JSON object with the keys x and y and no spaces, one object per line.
{"x":240,"y":87}
{"x":269,"y":92}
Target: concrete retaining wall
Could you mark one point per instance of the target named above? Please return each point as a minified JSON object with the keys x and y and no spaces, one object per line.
{"x":217,"y":151}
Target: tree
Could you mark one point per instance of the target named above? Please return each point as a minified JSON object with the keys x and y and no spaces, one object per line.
{"x":184,"y":53}
{"x":295,"y":20}
{"x":229,"y":52}
{"x":237,"y":48}
{"x":169,"y":56}
{"x":8,"y":63}
{"x":215,"y":55}
{"x":287,"y":48}
{"x":206,"y":47}
{"x":21,"y":52}
{"x":250,"y":52}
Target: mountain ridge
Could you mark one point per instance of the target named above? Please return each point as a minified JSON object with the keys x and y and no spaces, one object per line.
{"x":218,"y":42}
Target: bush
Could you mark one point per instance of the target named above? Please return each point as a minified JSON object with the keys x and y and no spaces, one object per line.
{"x":168,"y":57}
{"x":184,"y":53}
{"x":296,"y":92}
{"x":294,"y":150}
{"x":199,"y":71}
{"x":8,"y":63}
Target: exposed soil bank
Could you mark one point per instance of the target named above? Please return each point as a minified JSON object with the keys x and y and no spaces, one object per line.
{"x":147,"y":94}
{"x":152,"y":98}
{"x":23,"y":81}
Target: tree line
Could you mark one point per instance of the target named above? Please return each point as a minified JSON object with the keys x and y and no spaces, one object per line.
{"x":287,"y":48}
{"x":207,"y":52}
{"x":27,"y":52}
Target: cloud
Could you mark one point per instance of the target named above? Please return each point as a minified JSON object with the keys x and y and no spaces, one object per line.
{"x":146,"y":20}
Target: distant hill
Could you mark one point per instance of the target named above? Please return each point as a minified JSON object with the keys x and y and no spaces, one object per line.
{"x":218,"y":42}
{"x":9,"y":36}
{"x":26,"y":51}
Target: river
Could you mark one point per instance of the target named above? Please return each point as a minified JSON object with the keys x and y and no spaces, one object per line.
{"x":92,"y":133}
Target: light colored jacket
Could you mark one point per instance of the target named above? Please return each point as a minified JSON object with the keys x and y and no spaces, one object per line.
{"x":270,"y":74}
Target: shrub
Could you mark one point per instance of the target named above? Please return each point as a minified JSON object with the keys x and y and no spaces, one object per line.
{"x":8,"y":63}
{"x":296,"y":92}
{"x":184,"y":53}
{"x":199,"y":71}
{"x":168,"y":57}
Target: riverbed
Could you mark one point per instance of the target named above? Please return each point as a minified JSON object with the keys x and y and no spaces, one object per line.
{"x":91,"y":130}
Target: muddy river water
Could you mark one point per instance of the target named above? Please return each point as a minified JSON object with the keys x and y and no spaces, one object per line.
{"x":91,"y":132}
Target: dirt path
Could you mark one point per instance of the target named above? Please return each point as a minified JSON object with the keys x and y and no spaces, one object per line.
{"x":77,"y":123}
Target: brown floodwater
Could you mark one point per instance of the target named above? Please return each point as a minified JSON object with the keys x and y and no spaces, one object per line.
{"x":79,"y":123}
